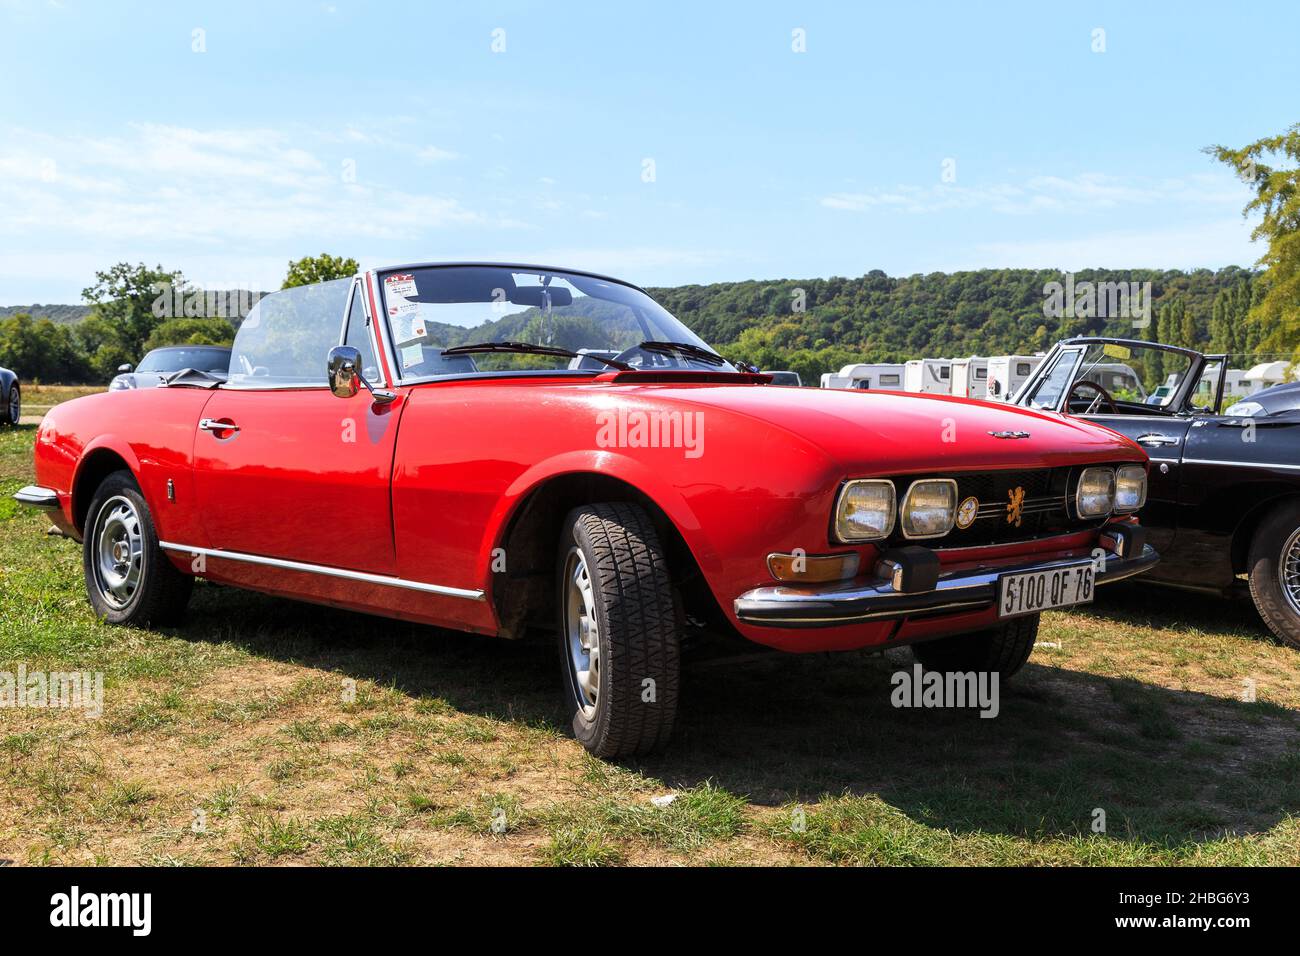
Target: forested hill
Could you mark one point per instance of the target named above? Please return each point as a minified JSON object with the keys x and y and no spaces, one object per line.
{"x":989,"y":312}
{"x":818,"y":325}
{"x":59,"y":314}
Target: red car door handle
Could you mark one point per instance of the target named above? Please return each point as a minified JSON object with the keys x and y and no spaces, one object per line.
{"x":217,"y":425}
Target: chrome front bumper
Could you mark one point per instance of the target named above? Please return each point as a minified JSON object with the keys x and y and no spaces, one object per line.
{"x":34,"y":496}
{"x":794,"y":607}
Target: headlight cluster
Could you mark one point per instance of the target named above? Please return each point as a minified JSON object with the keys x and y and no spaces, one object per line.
{"x":121,"y":382}
{"x":1103,"y":490}
{"x":867,"y":509}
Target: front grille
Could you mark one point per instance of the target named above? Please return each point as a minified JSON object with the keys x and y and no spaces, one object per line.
{"x":1044,"y":506}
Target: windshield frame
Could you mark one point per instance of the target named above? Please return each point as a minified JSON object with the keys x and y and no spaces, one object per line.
{"x":1179,"y":403}
{"x":378,"y":276}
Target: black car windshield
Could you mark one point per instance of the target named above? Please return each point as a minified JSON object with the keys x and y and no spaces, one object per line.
{"x":175,"y":359}
{"x":1134,"y":374}
{"x":431,"y":309}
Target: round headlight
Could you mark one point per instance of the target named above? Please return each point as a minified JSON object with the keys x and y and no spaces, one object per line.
{"x":1095,"y":496}
{"x":865,"y":510}
{"x":929,"y":508}
{"x":1130,"y":488}
{"x":120,"y":383}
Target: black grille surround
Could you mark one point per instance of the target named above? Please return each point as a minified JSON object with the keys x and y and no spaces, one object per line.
{"x":1047,"y":506}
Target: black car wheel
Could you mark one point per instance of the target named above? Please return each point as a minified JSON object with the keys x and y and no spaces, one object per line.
{"x":12,"y":410}
{"x":1274,"y":568}
{"x":619,"y":630}
{"x":128,"y":578}
{"x":1003,"y":649}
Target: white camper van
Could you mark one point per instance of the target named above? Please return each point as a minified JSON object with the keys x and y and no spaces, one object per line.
{"x":970,"y":377}
{"x":1006,"y":373}
{"x":1263,"y":375}
{"x":931,"y":376}
{"x":874,"y":375}
{"x":866,"y":375}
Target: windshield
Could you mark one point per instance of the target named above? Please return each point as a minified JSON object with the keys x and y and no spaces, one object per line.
{"x":433,"y":309}
{"x":1130,"y":374}
{"x":173,"y":360}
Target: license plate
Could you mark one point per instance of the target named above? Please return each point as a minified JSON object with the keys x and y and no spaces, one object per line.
{"x":1029,"y":592}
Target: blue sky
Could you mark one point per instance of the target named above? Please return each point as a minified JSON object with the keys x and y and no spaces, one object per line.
{"x":907,"y":137}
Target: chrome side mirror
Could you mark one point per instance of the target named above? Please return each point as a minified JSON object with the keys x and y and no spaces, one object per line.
{"x":344,"y":368}
{"x":344,"y":363}
{"x":124,"y":369}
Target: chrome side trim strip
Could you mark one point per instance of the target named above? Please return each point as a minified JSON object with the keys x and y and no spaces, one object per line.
{"x":1241,"y":464}
{"x":390,"y":581}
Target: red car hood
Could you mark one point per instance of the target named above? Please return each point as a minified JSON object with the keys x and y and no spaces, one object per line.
{"x":896,"y":432}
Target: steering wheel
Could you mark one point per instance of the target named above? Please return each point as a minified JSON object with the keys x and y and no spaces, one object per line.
{"x":1101,"y":394}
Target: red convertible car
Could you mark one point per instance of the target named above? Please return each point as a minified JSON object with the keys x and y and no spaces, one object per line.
{"x":506,"y":448}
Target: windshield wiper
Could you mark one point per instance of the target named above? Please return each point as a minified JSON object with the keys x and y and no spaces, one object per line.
{"x":696,"y":352}
{"x":527,"y":348}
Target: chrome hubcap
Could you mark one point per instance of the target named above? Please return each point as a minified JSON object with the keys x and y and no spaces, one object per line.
{"x":1288,"y":571}
{"x":581,"y":631}
{"x":119,"y":552}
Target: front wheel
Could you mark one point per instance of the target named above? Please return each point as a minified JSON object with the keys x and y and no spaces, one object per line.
{"x":128,"y":578}
{"x":1274,"y":567}
{"x":619,"y":632}
{"x":1003,"y":649}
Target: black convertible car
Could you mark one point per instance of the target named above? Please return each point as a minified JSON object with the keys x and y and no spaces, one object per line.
{"x":1223,"y":505}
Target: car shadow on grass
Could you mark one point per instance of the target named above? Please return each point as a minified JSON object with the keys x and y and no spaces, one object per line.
{"x":1168,"y":766}
{"x":1135,"y":602}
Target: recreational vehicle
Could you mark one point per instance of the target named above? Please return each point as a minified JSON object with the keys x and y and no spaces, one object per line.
{"x":930,"y":376}
{"x":970,"y":377}
{"x":1006,"y":373}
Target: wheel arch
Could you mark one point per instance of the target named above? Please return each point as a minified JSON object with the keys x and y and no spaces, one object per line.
{"x":1249,"y":524}
{"x":523,"y":593}
{"x":97,"y":463}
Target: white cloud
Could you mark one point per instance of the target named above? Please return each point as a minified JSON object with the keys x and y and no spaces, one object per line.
{"x":224,"y":186}
{"x":434,"y":154}
{"x":1209,"y":245}
{"x":1087,"y":192}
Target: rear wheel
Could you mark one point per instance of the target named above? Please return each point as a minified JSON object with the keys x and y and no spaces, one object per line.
{"x":619,"y":632}
{"x":1274,"y":567}
{"x":128,"y":578}
{"x":13,"y":406}
{"x":1003,"y":649}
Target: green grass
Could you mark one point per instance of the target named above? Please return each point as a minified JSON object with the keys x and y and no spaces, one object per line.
{"x":238,"y":739}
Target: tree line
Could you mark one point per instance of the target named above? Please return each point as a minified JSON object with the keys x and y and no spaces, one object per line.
{"x":134,"y":309}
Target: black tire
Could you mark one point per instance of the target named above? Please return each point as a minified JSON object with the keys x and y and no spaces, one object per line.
{"x":637,"y":664}
{"x":160,"y":592}
{"x":1275,"y":535}
{"x":1003,"y":649}
{"x":14,"y":394}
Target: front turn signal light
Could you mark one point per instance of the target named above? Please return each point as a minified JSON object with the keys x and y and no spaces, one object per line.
{"x":798,"y":568}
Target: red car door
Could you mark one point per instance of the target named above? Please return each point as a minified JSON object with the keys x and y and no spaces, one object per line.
{"x":305,"y":477}
{"x":282,"y":467}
